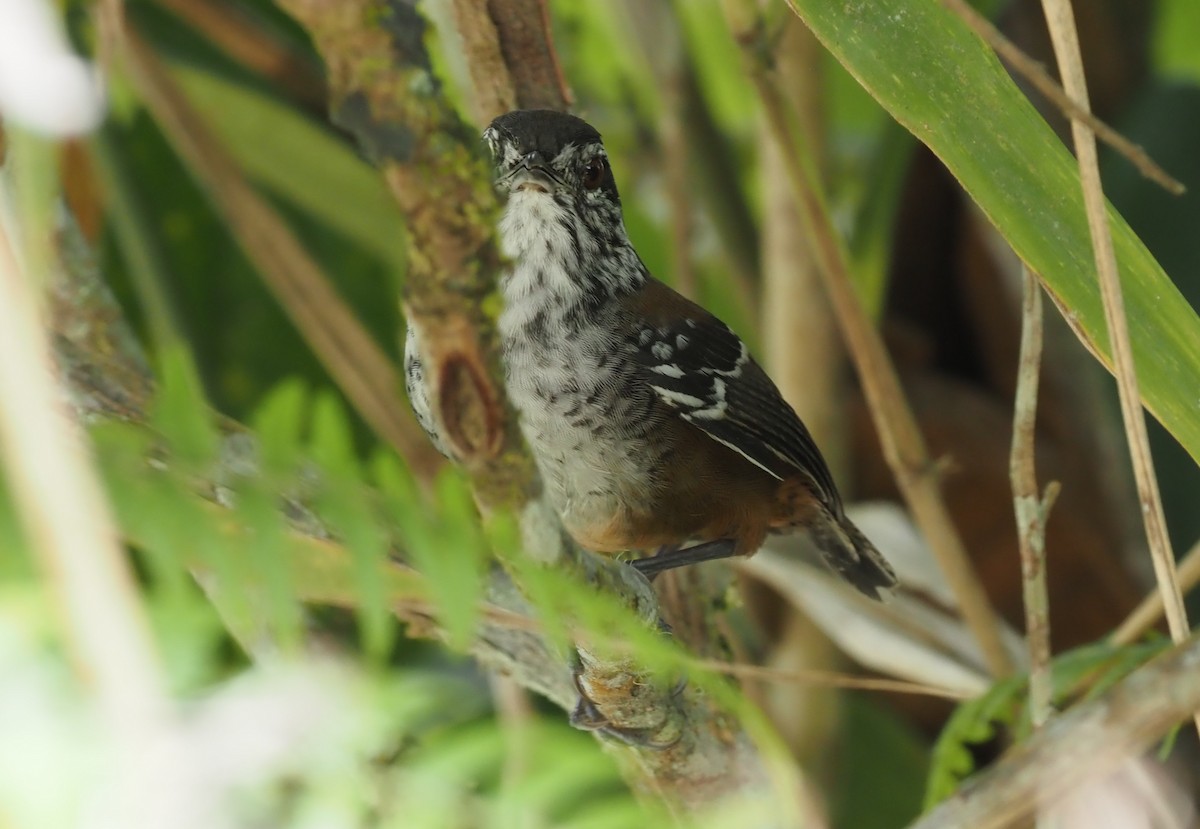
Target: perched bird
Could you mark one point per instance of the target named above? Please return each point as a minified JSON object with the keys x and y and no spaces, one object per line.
{"x":651,"y":424}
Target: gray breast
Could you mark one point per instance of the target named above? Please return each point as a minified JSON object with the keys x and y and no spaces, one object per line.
{"x":583,"y":413}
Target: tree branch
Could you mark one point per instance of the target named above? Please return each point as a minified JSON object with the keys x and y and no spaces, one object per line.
{"x":1031,"y":510}
{"x":1085,"y":742}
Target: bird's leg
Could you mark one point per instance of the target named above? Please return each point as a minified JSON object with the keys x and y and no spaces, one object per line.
{"x":669,"y":559}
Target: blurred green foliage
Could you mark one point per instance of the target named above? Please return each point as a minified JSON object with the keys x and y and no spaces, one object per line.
{"x":417,"y":743}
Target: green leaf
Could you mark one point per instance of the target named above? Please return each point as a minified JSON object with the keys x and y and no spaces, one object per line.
{"x":443,"y":539}
{"x":971,"y":723}
{"x":343,"y":506}
{"x":331,"y":442}
{"x":944,"y":85}
{"x":298,"y":160}
{"x":274,"y":586}
{"x":1123,"y":661}
{"x":879,"y":769}
{"x":278,"y":423}
{"x":181,"y":412}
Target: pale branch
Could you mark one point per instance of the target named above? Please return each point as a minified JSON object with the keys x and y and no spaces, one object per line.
{"x":1150,"y":609}
{"x":1031,"y":510}
{"x":1083,"y":743}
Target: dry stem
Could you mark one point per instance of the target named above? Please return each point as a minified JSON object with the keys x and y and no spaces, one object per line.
{"x":1150,"y":610}
{"x":903,"y":444}
{"x":1059,"y":17}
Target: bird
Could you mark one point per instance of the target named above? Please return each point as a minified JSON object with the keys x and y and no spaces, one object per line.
{"x":651,"y":424}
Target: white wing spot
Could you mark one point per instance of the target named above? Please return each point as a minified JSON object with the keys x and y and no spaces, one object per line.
{"x":668,"y":369}
{"x":676,"y":398}
{"x":661,"y":351}
{"x":736,"y":371}
{"x":681,"y":342}
{"x":717,"y":410}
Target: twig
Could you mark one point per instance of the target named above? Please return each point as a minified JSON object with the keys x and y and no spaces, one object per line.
{"x":1082,"y":743}
{"x":828,"y":679}
{"x":1072,"y":103}
{"x":353,"y":359}
{"x":1059,"y":17}
{"x":61,"y":504}
{"x":1032,"y":511}
{"x":903,"y":444}
{"x":1150,"y":609}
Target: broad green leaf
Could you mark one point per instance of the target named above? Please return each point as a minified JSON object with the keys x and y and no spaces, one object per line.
{"x":298,"y":160}
{"x":943,"y":84}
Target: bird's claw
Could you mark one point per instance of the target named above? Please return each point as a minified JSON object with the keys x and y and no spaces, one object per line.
{"x":588,"y":717}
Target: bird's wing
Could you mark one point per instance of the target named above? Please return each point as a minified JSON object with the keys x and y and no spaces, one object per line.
{"x":703,"y":372}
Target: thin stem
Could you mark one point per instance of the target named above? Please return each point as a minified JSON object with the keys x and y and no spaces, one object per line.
{"x":829,"y":679}
{"x":1150,"y":610}
{"x":1061,"y":21}
{"x":240,"y":35}
{"x":903,"y":444}
{"x":1031,"y":510}
{"x":1073,"y":105}
{"x":61,"y":504}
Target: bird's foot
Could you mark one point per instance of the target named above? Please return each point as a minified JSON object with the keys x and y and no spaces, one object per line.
{"x":587,"y":716}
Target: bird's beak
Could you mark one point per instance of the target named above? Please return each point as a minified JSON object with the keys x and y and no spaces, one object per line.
{"x":531,"y":173}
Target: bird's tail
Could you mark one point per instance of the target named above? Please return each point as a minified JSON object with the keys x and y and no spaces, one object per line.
{"x":855,"y":559}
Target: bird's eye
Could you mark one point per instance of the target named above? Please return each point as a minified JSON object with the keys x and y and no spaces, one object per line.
{"x":593,"y":174}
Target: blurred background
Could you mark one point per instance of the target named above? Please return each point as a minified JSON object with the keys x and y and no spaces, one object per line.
{"x":710,"y":210}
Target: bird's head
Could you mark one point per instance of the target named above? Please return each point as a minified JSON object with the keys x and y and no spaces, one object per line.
{"x":542,"y":151}
{"x":562,"y":223}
